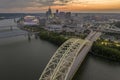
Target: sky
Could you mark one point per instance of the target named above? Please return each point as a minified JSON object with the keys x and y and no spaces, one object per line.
{"x":33,"y":6}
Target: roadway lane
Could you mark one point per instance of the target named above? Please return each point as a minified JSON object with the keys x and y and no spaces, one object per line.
{"x":78,"y":61}
{"x":93,"y":36}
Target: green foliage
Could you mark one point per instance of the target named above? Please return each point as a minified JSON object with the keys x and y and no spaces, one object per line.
{"x":112,"y":53}
{"x":52,"y":37}
{"x":31,"y":28}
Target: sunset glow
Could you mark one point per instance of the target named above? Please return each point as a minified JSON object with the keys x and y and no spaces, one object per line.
{"x":86,"y":5}
{"x":65,"y":5}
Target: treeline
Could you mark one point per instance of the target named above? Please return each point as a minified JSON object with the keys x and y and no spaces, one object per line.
{"x":52,"y":37}
{"x":108,"y":52}
{"x":30,"y":28}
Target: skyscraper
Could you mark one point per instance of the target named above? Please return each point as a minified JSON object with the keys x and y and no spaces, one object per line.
{"x":57,"y":11}
{"x":49,"y":12}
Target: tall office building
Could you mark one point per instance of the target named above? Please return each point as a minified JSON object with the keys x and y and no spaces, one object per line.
{"x":49,"y":12}
{"x":57,"y":11}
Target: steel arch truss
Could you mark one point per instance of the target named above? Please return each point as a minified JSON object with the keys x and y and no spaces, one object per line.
{"x":61,"y":62}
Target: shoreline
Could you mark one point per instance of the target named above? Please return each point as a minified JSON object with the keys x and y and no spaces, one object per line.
{"x":58,"y":39}
{"x":104,"y":57}
{"x":98,"y":54}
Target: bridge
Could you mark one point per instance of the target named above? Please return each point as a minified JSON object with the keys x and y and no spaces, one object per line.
{"x":68,"y":58}
{"x":8,"y":27}
{"x":13,"y":31}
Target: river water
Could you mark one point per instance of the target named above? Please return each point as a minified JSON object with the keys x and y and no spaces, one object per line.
{"x":21,"y":59}
{"x":95,"y":68}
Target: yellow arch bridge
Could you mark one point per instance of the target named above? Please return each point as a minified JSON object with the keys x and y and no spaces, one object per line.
{"x":68,"y":57}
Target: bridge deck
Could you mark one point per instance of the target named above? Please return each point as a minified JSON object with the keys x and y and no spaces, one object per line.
{"x":61,"y":62}
{"x":68,"y":58}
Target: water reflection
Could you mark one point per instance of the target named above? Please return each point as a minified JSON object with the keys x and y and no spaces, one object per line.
{"x":21,"y":59}
{"x":94,"y":68}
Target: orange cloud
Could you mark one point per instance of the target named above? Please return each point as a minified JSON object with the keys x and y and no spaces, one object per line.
{"x":93,"y":5}
{"x":77,"y":5}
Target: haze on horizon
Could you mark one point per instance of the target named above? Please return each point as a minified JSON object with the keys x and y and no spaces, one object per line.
{"x":33,"y":6}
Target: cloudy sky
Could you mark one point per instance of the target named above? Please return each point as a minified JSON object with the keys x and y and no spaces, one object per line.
{"x":63,"y":5}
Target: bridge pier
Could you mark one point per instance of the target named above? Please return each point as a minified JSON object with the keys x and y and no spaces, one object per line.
{"x":11,"y":28}
{"x":36,"y":36}
{"x":29,"y":37}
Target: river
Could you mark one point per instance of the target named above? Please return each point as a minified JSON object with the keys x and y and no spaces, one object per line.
{"x":95,"y":68}
{"x":21,"y":59}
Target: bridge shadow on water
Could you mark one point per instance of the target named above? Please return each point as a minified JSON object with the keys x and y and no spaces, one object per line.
{"x":96,"y":68}
{"x":81,"y":69}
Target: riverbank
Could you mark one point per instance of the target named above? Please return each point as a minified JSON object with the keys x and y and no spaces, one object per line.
{"x":52,"y":37}
{"x":101,"y":48}
{"x":111,"y":51}
{"x":107,"y":50}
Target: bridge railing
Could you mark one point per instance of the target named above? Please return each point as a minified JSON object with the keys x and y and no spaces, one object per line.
{"x":48,"y":71}
{"x":67,"y":61}
{"x":64,"y":59}
{"x":61,"y":62}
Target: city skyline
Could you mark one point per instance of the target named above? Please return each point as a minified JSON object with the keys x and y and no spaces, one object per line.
{"x":33,"y":6}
